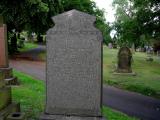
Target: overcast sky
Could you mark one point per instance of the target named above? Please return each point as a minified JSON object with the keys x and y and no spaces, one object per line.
{"x":107,"y":5}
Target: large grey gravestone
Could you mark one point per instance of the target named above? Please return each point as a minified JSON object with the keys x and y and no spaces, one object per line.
{"x":74,"y":68}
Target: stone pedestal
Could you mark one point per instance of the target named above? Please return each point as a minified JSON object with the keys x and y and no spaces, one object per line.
{"x":16,"y":116}
{"x":63,"y":117}
{"x":6,"y":105}
{"x":9,"y":78}
{"x":3,"y":47}
{"x":74,"y":68}
{"x":11,"y":108}
{"x":5,"y":95}
{"x":4,"y":64}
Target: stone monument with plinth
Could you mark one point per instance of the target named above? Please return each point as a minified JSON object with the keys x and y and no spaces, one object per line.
{"x":124,"y":66}
{"x":4,"y":64}
{"x":74,"y":68}
{"x":6,"y":105}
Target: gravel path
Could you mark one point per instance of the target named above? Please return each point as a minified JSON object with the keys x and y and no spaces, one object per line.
{"x":145,"y":108}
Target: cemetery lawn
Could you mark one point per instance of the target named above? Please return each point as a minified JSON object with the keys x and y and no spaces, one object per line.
{"x":28,"y":46}
{"x":31,"y":95}
{"x":147,"y":80}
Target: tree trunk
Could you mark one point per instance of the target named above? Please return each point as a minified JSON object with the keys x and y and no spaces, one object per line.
{"x":14,"y":47}
{"x":39,"y":38}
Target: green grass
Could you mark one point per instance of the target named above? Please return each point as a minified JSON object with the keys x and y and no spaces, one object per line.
{"x":147,"y":80}
{"x":42,"y":56}
{"x":31,"y":95}
{"x":28,"y":46}
{"x":111,"y":114}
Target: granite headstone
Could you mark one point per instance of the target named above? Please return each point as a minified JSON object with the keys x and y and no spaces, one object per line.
{"x":74,"y":68}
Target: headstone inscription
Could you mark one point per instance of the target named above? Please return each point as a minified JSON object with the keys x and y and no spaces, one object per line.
{"x":74,"y":73}
{"x":124,"y":60}
{"x":4,"y":64}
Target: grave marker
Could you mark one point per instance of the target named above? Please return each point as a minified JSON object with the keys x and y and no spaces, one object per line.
{"x":74,"y":68}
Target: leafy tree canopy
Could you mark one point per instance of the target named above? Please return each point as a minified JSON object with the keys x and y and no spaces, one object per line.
{"x":137,"y":21}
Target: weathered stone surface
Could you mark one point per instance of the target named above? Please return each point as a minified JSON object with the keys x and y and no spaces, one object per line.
{"x":12,"y":81}
{"x":9,"y":78}
{"x":74,"y":70}
{"x":7,"y":72}
{"x":124,"y":60}
{"x":60,"y":117}
{"x":5,"y":97}
{"x":16,"y":116}
{"x":3,"y":47}
{"x":2,"y":82}
{"x":14,"y":107}
{"x":6,"y":77}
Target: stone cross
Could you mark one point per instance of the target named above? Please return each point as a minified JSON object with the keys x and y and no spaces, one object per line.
{"x":74,"y":68}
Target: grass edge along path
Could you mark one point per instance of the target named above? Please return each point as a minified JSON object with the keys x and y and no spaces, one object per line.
{"x":28,"y":46}
{"x":147,"y":80}
{"x":31,"y":95}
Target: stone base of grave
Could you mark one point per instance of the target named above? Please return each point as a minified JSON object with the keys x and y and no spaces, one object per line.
{"x":16,"y":116}
{"x":14,"y":107}
{"x":127,"y":74}
{"x":5,"y":97}
{"x":10,"y":80}
{"x":62,"y":117}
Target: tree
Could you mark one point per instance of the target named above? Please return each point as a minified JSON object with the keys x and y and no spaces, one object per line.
{"x":35,"y":15}
{"x":137,"y":21}
{"x":19,"y":14}
{"x":148,"y":17}
{"x":128,"y":31}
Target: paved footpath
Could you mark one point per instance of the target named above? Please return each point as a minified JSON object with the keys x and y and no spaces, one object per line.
{"x":145,"y":108}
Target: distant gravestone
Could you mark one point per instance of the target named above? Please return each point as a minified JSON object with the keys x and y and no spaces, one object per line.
{"x":110,"y":46}
{"x":158,"y":54}
{"x":124,"y":60}
{"x":74,"y":68}
{"x":150,"y":54}
{"x":4,"y":63}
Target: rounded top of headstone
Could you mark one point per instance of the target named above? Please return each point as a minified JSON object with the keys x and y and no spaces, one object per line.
{"x":124,"y":50}
{"x":74,"y":15}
